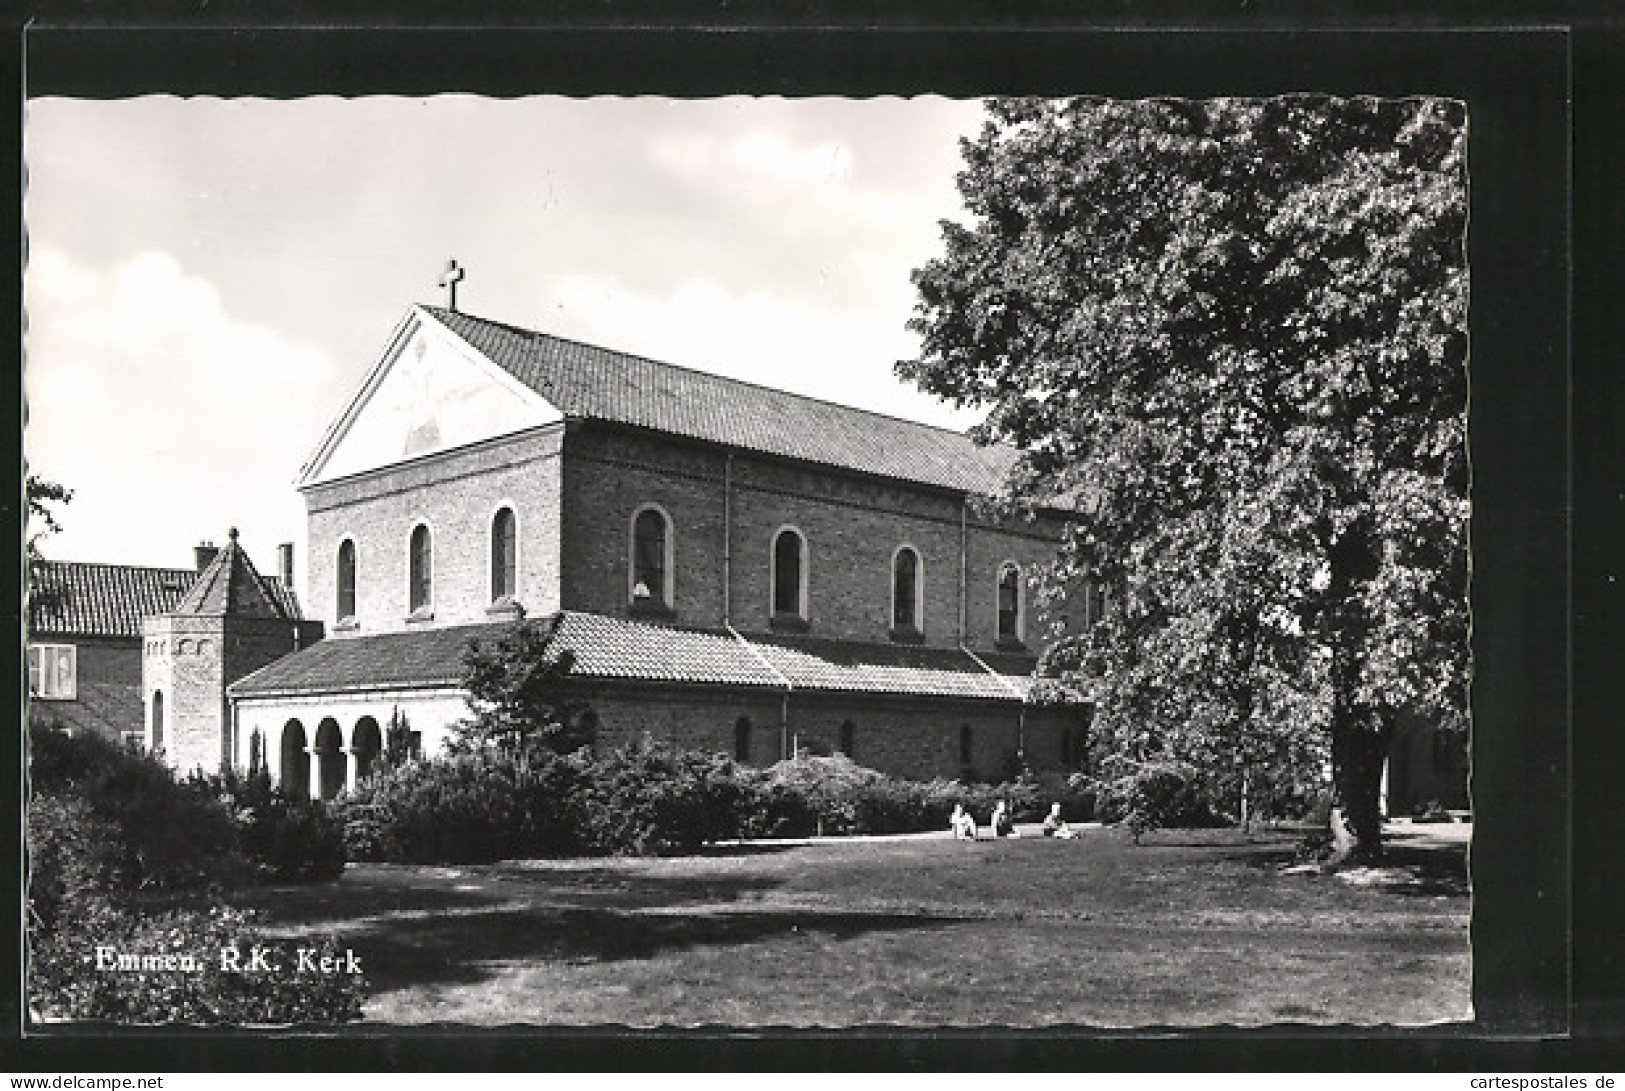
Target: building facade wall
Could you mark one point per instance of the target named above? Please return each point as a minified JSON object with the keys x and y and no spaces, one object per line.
{"x":191,"y":660}
{"x":185,"y":662}
{"x":726,"y":513}
{"x":915,"y":739}
{"x":431,"y":713}
{"x":107,"y":688}
{"x":457,"y":495}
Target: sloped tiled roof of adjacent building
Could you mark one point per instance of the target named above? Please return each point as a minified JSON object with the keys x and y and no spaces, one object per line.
{"x":587,"y":382}
{"x":618,"y":650}
{"x":83,"y":598}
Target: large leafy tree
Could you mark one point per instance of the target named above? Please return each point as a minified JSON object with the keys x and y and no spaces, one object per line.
{"x":1230,"y":336}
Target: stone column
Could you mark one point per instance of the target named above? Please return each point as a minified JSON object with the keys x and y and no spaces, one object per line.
{"x":315,"y":772}
{"x":348,"y":753}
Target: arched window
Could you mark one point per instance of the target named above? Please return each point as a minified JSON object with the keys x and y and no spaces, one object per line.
{"x":157,"y":721}
{"x":504,"y":555}
{"x":420,"y":581}
{"x":742,"y":739}
{"x":346,"y":580}
{"x":651,"y":562}
{"x":906,"y":611}
{"x":849,"y":739}
{"x":1011,"y":622}
{"x":789,"y":574}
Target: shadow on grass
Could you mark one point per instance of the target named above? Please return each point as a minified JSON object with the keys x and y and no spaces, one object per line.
{"x":1437,"y":868}
{"x":460,"y":949}
{"x":345,"y":900}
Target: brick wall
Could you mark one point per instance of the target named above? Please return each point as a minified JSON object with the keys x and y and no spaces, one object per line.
{"x":853,"y":527}
{"x":107,"y":698}
{"x":185,"y":660}
{"x":191,"y":661}
{"x":457,"y":495}
{"x":906,"y":738}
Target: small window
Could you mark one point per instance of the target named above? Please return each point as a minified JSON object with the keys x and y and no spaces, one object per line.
{"x":789,"y":574}
{"x":157,"y":722}
{"x":346,"y":580}
{"x":849,"y":739}
{"x":651,"y":559}
{"x":504,"y":555}
{"x":421,"y":577}
{"x":53,"y":671}
{"x":742,"y":732}
{"x":905,"y":590}
{"x":1010,"y":619}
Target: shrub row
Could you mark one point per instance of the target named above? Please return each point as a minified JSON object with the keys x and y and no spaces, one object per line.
{"x":649,"y":798}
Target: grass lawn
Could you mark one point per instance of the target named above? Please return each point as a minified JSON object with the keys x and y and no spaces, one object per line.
{"x":1190,"y":928}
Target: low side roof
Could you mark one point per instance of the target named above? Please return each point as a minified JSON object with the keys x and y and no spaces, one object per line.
{"x":587,"y":382}
{"x":618,"y":650}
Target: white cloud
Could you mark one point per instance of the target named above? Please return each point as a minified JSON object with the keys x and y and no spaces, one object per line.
{"x":776,"y":157}
{"x":168,"y":417}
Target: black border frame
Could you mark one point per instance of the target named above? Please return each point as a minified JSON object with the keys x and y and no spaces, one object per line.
{"x":1517,"y":83}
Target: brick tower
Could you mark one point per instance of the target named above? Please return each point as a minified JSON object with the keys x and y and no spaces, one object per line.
{"x":232,"y":621}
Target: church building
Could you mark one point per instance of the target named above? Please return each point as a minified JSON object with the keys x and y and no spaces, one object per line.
{"x":733,"y":567}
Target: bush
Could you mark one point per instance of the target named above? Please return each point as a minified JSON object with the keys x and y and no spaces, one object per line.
{"x":75,"y":863}
{"x":477,"y":806}
{"x":72,"y":975}
{"x":1155,"y":795}
{"x":286,"y":837}
{"x":652,"y":798}
{"x":170,"y":834}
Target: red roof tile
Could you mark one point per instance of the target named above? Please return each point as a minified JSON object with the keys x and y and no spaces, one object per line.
{"x":615,"y":649}
{"x":592,"y":383}
{"x":88,"y":599}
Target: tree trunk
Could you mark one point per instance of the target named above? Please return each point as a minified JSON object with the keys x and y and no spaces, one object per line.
{"x":1358,"y":750}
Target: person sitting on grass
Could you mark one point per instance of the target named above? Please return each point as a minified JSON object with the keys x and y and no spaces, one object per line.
{"x":963,"y":825}
{"x":1055,"y":825}
{"x":1004,"y":820}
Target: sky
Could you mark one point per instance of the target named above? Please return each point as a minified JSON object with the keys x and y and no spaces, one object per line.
{"x":209,"y":280}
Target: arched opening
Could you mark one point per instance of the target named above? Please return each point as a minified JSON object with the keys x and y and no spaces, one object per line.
{"x":345,"y":607}
{"x":742,"y":732}
{"x":293,"y":771}
{"x":366,"y":742}
{"x":849,"y":739}
{"x":504,"y":555}
{"x":789,"y":574}
{"x":651,"y":558}
{"x":330,"y":758}
{"x":157,"y":721}
{"x":421,"y":576}
{"x":905,"y":590}
{"x":1010,"y":619}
